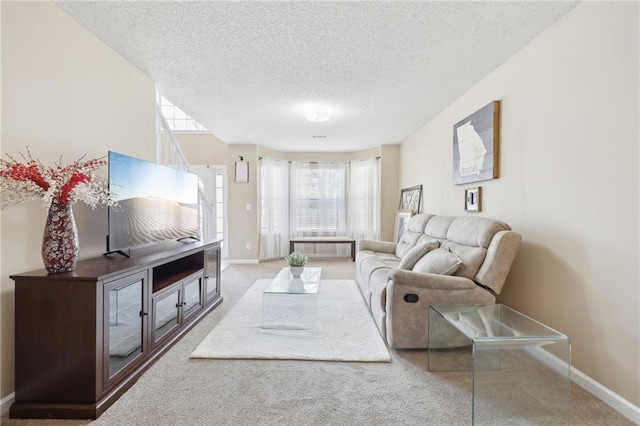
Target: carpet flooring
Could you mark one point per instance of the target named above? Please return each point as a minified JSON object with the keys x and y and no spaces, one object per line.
{"x":177,"y":390}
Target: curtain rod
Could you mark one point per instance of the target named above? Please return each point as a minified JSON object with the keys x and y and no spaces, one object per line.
{"x":316,"y":162}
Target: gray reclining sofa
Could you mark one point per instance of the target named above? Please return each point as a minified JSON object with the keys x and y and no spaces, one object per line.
{"x":439,"y":260}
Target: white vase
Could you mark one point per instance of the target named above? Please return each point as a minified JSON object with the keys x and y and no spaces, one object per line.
{"x":296,"y":271}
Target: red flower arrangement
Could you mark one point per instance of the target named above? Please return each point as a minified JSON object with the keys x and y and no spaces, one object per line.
{"x":30,"y":179}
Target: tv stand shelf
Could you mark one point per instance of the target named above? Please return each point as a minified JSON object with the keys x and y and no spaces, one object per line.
{"x":84,"y":337}
{"x":174,"y":271}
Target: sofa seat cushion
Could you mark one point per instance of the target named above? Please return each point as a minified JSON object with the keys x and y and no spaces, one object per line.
{"x":378,"y":288}
{"x":364,"y":254}
{"x":439,"y":261}
{"x":416,"y":253}
{"x":378,"y":298}
{"x":372,"y":264}
{"x":387,"y":257}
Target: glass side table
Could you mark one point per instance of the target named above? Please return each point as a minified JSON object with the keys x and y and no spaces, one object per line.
{"x":504,"y":351}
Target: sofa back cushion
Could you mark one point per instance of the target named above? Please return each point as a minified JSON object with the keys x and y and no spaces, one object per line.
{"x":486,"y":247}
{"x":469,"y":238}
{"x":437,"y":227}
{"x":474,"y":231}
{"x":414,"y":231}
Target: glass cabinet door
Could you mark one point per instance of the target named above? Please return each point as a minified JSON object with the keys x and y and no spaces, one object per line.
{"x":192,"y":296}
{"x":124,"y":323}
{"x":212,"y":273}
{"x":165,"y":313}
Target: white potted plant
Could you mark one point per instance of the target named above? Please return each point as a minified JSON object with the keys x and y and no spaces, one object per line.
{"x":296,"y":262}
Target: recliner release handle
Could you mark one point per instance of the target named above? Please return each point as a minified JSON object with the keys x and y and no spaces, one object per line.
{"x":411,"y":298}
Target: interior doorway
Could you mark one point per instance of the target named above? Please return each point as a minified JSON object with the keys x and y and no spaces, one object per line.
{"x":214,"y":183}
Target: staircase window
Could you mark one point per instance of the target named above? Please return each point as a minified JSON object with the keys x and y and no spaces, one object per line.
{"x":178,"y":120}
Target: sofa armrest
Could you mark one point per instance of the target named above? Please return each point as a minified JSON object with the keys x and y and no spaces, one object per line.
{"x":430,"y":281}
{"x":409,"y":295}
{"x":377,"y":246}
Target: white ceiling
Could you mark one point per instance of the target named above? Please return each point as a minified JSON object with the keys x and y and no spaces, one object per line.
{"x":247,"y":70}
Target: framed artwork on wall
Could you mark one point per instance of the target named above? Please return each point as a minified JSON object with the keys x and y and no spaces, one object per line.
{"x":411,"y":199}
{"x":402,"y":220}
{"x":476,"y":143}
{"x":242,"y":172}
{"x":473,"y":199}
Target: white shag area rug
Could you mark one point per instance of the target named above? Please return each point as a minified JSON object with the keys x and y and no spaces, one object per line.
{"x":345,"y":331}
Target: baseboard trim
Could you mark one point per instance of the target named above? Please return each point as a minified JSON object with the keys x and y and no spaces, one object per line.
{"x":5,"y":403}
{"x":243,"y":261}
{"x":612,"y":399}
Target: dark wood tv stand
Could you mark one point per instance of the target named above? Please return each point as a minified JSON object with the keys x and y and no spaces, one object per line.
{"x":83,"y":338}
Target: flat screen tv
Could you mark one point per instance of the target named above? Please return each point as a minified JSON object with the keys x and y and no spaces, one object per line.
{"x":156,"y":203}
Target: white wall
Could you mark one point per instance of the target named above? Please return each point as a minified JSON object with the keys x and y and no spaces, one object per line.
{"x":569,"y":183}
{"x":64,"y":93}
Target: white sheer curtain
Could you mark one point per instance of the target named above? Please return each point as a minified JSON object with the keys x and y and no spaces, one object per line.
{"x":274,"y":209}
{"x":363,"y":199}
{"x":318,"y":203}
{"x":325,"y":199}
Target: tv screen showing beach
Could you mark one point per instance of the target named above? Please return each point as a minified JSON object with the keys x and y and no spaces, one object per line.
{"x":155,"y":203}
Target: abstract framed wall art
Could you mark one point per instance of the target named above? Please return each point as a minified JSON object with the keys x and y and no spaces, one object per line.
{"x":402,"y":220}
{"x":411,"y":198}
{"x":476,"y":143}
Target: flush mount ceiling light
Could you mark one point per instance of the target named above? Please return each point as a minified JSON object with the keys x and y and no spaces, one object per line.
{"x":317,"y":114}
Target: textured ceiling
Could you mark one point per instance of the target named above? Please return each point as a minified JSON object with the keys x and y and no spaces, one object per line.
{"x":248,"y":70}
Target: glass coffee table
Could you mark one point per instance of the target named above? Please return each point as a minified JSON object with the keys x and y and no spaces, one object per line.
{"x":292,"y":303}
{"x":520,"y":367}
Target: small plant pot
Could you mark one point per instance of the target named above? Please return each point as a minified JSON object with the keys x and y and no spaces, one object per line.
{"x":296,"y":271}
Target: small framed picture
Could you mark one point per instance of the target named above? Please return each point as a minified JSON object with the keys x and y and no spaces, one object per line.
{"x":473,"y":199}
{"x":402,"y":221}
{"x":242,"y":172}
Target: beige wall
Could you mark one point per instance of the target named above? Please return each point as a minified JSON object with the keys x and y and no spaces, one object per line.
{"x":389,"y":189}
{"x":64,"y":93}
{"x":207,"y":149}
{"x":203,"y":148}
{"x":569,"y":183}
{"x":243,"y":223}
